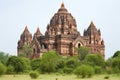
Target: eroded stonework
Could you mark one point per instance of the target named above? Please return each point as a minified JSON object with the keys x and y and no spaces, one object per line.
{"x":62,"y":36}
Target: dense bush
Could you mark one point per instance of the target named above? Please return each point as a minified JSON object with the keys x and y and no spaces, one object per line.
{"x":26,"y":64}
{"x":10,"y":69}
{"x":49,"y":62}
{"x":116,"y":65}
{"x":2,"y":69}
{"x":34,"y":74}
{"x":84,"y":71}
{"x":18,"y":63}
{"x":82,"y":52}
{"x":67,"y":70}
{"x":60,"y":63}
{"x":116,"y":54}
{"x":98,"y":70}
{"x":3,"y":57}
{"x":71,"y":62}
{"x":95,"y":60}
{"x":109,"y":71}
{"x":35,"y":64}
{"x":106,"y":77}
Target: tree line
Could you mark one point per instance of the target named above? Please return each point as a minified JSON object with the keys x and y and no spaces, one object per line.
{"x":83,"y":65}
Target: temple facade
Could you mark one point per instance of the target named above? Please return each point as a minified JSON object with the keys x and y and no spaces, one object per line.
{"x":62,"y":36}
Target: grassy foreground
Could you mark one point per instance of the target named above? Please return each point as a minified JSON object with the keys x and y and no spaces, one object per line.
{"x":59,"y":77}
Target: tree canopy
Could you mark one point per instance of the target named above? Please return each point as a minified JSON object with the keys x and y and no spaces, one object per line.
{"x":49,"y":61}
{"x":82,"y":52}
{"x":116,"y":54}
{"x":95,"y":60}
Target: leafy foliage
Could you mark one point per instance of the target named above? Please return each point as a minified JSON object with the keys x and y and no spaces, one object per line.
{"x":84,"y":71}
{"x":18,"y":63}
{"x":116,"y":54}
{"x":95,"y":60}
{"x":35,"y":64}
{"x":10,"y":69}
{"x":113,"y":63}
{"x":2,"y":69}
{"x":34,"y":75}
{"x":116,"y":65}
{"x":27,"y":64}
{"x":67,"y":70}
{"x":26,"y":51}
{"x":72,"y":62}
{"x":49,"y":61}
{"x":82,"y":52}
{"x":98,"y":70}
{"x":3,"y":57}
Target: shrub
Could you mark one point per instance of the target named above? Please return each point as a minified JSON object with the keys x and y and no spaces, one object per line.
{"x":106,"y":77}
{"x":109,"y":71}
{"x":116,"y":65}
{"x":67,"y":70}
{"x":34,"y":75}
{"x":116,"y":70}
{"x":98,"y":69}
{"x":60,"y":71}
{"x":94,"y":60}
{"x":84,"y":71}
{"x":10,"y":69}
{"x":49,"y":62}
{"x":18,"y":63}
{"x":71,"y":62}
{"x":35,"y":64}
{"x":2,"y":69}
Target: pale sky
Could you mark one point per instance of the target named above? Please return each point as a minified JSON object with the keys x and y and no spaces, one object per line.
{"x":16,"y":14}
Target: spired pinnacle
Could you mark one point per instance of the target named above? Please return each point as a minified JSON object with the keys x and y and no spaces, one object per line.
{"x":92,"y":24}
{"x":38,"y":30}
{"x":26,"y":29}
{"x":62,"y":9}
{"x":38,"y":33}
{"x":62,"y":5}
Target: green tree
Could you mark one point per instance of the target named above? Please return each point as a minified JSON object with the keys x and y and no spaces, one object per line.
{"x":82,"y":52}
{"x":61,"y":63}
{"x":49,"y":61}
{"x":67,"y":70}
{"x":108,"y":62}
{"x":10,"y":69}
{"x":116,"y":65}
{"x":116,"y":54}
{"x":98,"y":69}
{"x":35,"y":64}
{"x":95,"y":60}
{"x":2,"y":69}
{"x":3,"y":57}
{"x":72,"y":62}
{"x":18,"y":64}
{"x":27,"y":64}
{"x":26,"y":51}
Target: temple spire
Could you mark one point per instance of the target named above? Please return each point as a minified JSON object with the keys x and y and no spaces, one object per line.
{"x":92,"y":24}
{"x":38,"y":30}
{"x":38,"y":33}
{"x":26,"y":29}
{"x":62,"y":5}
{"x":62,"y":9}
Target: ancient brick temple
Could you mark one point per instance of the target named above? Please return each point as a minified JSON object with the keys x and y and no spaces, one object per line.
{"x":62,"y":35}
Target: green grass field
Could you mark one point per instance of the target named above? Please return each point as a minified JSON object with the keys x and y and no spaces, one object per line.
{"x":59,"y":77}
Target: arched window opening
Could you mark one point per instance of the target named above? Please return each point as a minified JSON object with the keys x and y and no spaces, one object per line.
{"x":34,"y":50}
{"x":79,"y":45}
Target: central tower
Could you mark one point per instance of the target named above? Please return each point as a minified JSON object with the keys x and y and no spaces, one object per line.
{"x":62,"y":23}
